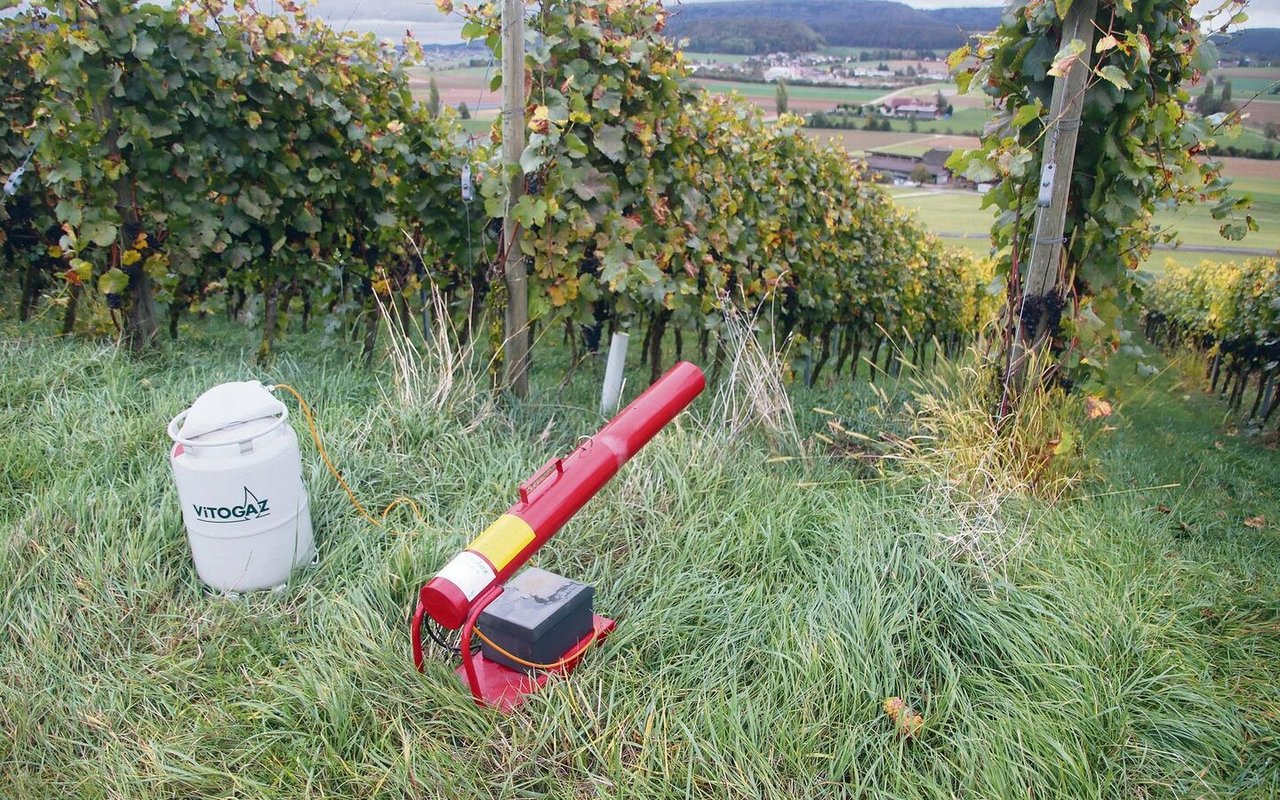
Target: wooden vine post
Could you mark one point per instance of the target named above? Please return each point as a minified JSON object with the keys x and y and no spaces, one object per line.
{"x":1059,"y":152}
{"x":516,"y":335}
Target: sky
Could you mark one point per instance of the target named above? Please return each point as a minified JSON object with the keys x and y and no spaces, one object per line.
{"x":390,"y":18}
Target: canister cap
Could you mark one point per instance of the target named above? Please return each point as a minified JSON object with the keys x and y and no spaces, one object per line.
{"x":229,"y":405}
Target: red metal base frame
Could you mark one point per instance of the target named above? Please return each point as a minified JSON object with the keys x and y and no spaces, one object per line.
{"x":503,"y":688}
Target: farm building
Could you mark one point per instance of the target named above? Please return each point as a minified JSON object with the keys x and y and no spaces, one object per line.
{"x":909,"y":108}
{"x":899,"y":167}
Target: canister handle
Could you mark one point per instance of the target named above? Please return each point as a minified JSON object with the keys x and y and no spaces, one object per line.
{"x":172,"y":430}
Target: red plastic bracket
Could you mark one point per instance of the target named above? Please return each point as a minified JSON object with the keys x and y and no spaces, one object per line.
{"x":498,"y":686}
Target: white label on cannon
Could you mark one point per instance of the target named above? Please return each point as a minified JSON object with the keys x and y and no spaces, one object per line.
{"x":469,"y":572}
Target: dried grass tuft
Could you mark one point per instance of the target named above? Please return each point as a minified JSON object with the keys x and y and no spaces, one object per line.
{"x":753,"y":393}
{"x":432,"y":368}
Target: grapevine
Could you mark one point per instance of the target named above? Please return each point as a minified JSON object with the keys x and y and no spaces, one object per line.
{"x":1139,"y":144}
{"x":1230,"y":313}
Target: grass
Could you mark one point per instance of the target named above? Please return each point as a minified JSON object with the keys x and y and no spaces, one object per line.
{"x":1245,"y":81}
{"x":952,"y":212}
{"x":915,"y":146}
{"x":766,"y":607}
{"x":834,"y":94}
{"x":946,"y":211}
{"x":1250,"y":139}
{"x":718,"y":58}
{"x":962,"y":121}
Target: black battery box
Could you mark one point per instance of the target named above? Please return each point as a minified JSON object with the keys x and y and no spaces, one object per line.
{"x":539,"y":617}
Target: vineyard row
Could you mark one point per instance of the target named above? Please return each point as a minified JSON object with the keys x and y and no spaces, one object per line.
{"x":182,"y":159}
{"x":1229,"y":313}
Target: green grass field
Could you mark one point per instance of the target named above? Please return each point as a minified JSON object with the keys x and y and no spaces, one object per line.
{"x":1247,"y":81}
{"x":915,"y":147}
{"x":767,"y":608}
{"x":950,"y":212}
{"x":719,"y":58}
{"x":1251,"y":139}
{"x":832,"y":94}
{"x":963,"y":120}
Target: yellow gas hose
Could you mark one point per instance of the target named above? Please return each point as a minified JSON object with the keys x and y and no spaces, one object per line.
{"x":324,"y":456}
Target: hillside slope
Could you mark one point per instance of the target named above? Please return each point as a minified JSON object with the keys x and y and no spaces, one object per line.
{"x":1256,"y":43}
{"x":847,"y":23}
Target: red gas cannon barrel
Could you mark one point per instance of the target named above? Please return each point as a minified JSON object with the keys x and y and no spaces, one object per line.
{"x":554,"y":494}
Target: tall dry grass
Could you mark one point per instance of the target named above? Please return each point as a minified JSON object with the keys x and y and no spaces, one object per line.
{"x":752,"y":396}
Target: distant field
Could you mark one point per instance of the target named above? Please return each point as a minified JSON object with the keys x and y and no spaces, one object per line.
{"x":956,"y":213}
{"x":477,"y":126}
{"x":1261,"y":112}
{"x":1249,"y":138}
{"x":468,"y":85}
{"x":892,"y":141}
{"x":1246,"y":81}
{"x":930,"y":90}
{"x":718,"y":58}
{"x":800,"y":98}
{"x":947,"y":212}
{"x":964,"y":120}
{"x":1233,"y":73}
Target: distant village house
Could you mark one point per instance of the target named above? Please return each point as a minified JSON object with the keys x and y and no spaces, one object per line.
{"x":909,"y":108}
{"x":900,"y":168}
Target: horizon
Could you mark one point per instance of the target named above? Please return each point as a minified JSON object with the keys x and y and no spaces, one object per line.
{"x":392,"y":18}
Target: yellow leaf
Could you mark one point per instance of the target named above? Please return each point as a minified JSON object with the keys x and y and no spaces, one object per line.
{"x":909,"y":723}
{"x":130,"y":257}
{"x":540,"y":122}
{"x":893,"y":707}
{"x":156,"y":265}
{"x":1097,"y":407}
{"x":1257,"y":523}
{"x":276,"y":28}
{"x":255,"y":119}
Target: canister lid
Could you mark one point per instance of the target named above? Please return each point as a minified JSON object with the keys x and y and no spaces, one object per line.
{"x":231,"y":405}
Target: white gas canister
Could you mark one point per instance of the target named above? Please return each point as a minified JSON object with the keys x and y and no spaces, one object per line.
{"x":238,"y":471}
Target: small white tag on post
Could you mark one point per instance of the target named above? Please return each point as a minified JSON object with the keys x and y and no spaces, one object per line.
{"x":1046,"y":184}
{"x":613,"y":372}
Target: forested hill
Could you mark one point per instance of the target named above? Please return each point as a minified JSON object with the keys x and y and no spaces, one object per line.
{"x":1256,"y":43}
{"x":762,"y":26}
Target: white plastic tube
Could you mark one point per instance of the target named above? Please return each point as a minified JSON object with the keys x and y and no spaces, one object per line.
{"x":613,"y":371}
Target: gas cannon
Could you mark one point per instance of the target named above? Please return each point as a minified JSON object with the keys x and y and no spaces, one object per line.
{"x":539,"y":624}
